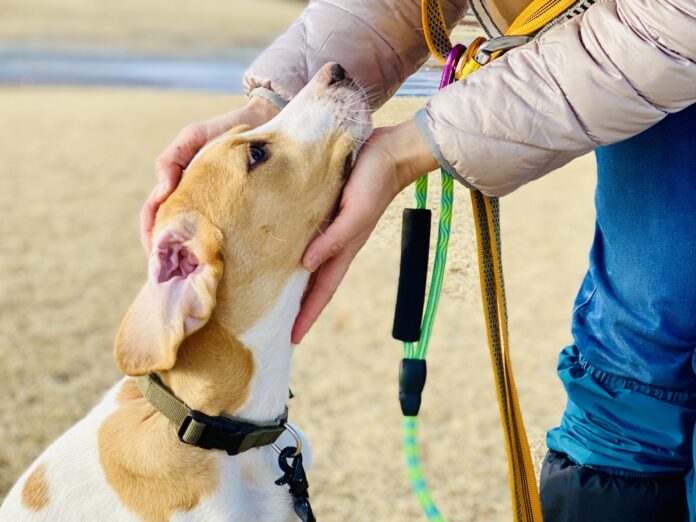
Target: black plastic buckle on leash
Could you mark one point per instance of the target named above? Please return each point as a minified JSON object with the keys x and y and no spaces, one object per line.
{"x":234,"y":437}
{"x":294,"y":475}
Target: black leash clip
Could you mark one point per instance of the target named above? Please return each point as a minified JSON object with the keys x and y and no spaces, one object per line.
{"x":294,"y":475}
{"x":412,"y":375}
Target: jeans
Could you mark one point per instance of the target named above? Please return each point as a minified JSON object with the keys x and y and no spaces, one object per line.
{"x":630,"y":375}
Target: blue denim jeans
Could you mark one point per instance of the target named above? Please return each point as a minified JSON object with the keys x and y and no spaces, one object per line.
{"x":630,"y":374}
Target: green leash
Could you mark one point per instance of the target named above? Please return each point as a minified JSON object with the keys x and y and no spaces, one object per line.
{"x":412,"y":324}
{"x":418,"y":350}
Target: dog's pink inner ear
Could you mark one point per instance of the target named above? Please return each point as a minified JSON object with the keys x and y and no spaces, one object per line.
{"x":180,"y":282}
{"x":175,"y":260}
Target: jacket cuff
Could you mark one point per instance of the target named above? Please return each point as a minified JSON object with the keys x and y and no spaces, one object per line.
{"x":268,"y":95}
{"x":421,"y":118}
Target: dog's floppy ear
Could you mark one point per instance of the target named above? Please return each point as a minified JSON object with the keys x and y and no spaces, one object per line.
{"x":178,"y":299}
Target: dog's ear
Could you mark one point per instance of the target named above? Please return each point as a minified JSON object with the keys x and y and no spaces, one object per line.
{"x":178,"y":299}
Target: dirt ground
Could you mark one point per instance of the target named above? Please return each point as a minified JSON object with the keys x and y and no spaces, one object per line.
{"x":75,"y":166}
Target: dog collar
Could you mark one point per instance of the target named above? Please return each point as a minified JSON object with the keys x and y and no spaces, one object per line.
{"x":198,"y":429}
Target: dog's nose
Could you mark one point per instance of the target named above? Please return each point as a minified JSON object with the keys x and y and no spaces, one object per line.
{"x":338,"y":73}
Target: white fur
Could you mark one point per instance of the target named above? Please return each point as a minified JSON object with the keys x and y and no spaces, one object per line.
{"x":79,"y":492}
{"x":269,"y":341}
{"x":76,"y":482}
{"x":316,"y":112}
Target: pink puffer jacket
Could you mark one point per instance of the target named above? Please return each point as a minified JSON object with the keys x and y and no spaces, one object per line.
{"x":597,"y":79}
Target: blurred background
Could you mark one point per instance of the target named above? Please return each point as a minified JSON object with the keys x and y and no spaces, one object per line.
{"x":90,"y":92}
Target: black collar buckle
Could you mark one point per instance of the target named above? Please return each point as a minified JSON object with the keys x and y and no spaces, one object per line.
{"x":232,"y":436}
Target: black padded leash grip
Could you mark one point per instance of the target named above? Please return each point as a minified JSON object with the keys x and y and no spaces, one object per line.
{"x":413,"y":273}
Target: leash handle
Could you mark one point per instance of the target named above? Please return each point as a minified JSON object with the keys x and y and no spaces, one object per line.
{"x":413,"y":274}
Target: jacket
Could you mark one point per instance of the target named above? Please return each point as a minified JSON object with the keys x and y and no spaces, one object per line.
{"x":596,"y":79}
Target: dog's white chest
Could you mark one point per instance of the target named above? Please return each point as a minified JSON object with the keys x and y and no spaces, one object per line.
{"x":247,"y":492}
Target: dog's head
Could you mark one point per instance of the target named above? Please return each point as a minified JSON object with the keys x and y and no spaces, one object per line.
{"x":236,"y":227}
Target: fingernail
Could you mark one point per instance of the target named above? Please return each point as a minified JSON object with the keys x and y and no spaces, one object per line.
{"x":313,"y":263}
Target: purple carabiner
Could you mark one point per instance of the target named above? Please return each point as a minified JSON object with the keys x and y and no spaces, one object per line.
{"x":450,"y":65}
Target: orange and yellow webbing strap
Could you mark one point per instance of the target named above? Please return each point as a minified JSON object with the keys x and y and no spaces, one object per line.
{"x":435,"y":30}
{"x":526,"y":505}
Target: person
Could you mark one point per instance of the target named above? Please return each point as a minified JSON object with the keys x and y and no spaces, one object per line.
{"x":619,"y":78}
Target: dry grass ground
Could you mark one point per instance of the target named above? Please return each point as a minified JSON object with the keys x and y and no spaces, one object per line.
{"x":152,"y":25}
{"x":76,"y":165}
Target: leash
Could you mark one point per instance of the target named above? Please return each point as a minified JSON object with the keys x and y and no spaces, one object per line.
{"x":415,"y":244}
{"x":234,"y":436}
{"x":412,"y":325}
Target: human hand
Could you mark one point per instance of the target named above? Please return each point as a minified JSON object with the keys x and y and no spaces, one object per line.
{"x":392,"y":159}
{"x":171,"y":164}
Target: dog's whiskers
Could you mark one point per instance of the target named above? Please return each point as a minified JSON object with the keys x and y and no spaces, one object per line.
{"x":353,"y":119}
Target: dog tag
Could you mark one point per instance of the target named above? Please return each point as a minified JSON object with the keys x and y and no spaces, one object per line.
{"x":294,"y":475}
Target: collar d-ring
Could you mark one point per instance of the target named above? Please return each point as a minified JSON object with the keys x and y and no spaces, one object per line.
{"x":295,"y":435}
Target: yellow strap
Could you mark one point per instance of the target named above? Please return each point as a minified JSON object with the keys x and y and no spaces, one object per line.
{"x":435,"y":30}
{"x":538,"y":14}
{"x":526,"y":505}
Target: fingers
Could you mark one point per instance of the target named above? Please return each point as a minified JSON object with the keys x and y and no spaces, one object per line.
{"x":328,"y":277}
{"x":169,"y":168}
{"x":171,"y":163}
{"x":350,"y":223}
{"x":365,"y":197}
{"x":330,"y":255}
{"x":148,"y":213}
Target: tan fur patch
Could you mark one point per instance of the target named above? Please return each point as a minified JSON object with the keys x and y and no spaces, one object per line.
{"x":35,"y":491}
{"x":151,"y":471}
{"x":213,"y":371}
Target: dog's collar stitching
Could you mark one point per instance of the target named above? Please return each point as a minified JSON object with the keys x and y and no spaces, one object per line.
{"x":198,"y":429}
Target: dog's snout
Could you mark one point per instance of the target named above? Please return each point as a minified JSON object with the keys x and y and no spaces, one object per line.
{"x":338,"y":73}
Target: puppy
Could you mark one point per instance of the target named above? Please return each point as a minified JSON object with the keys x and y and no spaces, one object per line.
{"x":210,"y":329}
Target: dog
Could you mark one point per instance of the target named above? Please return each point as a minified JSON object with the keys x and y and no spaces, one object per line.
{"x":210,"y":332}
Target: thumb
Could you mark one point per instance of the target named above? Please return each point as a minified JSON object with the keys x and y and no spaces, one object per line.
{"x":347,"y":225}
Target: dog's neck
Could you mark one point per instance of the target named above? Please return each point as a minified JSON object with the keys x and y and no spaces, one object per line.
{"x":247,"y":376}
{"x":269,"y":342}
{"x":216,"y":373}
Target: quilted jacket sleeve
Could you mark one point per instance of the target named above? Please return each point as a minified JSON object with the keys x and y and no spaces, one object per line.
{"x":379,"y":42}
{"x":595,"y":80}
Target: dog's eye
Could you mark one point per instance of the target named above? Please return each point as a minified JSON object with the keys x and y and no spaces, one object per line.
{"x":257,"y":153}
